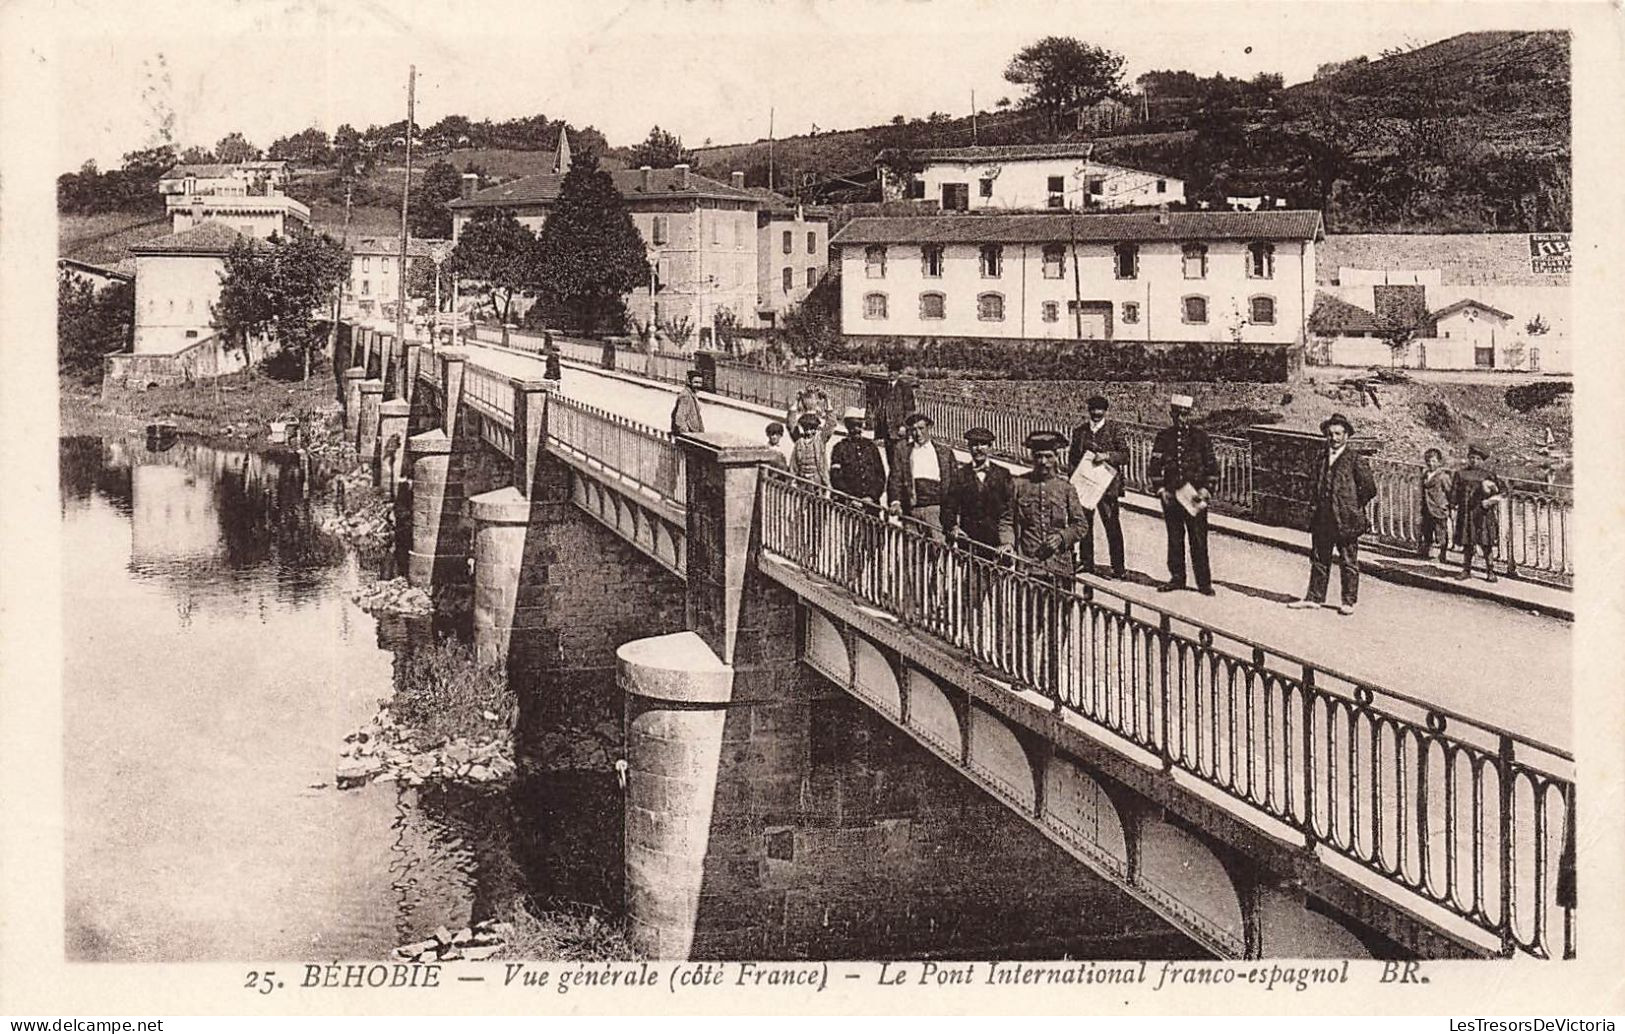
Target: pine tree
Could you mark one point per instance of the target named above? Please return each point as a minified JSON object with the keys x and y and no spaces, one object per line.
{"x":590,"y":254}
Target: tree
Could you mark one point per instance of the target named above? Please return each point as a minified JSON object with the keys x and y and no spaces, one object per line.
{"x":1397,"y":331}
{"x":234,"y":147}
{"x":500,"y":253}
{"x":429,"y":216}
{"x":309,"y":146}
{"x":1063,"y":74}
{"x":196,"y":155}
{"x":659,"y":150}
{"x":90,"y":323}
{"x":1536,"y":326}
{"x":813,"y":328}
{"x":590,"y":255}
{"x":350,"y":154}
{"x":277,"y":288}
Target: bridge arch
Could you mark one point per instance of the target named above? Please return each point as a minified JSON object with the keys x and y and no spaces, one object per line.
{"x":1078,"y":808}
{"x":874,"y":679}
{"x":996,"y":754}
{"x":932,"y":714}
{"x":1185,"y":876}
{"x":1290,"y":929}
{"x":826,"y":648}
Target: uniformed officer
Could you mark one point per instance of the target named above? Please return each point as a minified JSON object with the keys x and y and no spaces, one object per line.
{"x":1045,"y":518}
{"x":1182,"y":469}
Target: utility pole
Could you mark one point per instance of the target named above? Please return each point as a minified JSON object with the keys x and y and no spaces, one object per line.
{"x":770,"y":181}
{"x":406,"y":202}
{"x":1077,"y":284}
{"x":973,"y":118}
{"x":338,"y":294}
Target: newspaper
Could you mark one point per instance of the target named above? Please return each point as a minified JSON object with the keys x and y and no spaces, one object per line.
{"x":1092,"y":480}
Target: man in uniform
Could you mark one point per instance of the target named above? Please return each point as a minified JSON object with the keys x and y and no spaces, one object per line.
{"x":855,"y":466}
{"x":1182,"y":468}
{"x":1102,"y":441}
{"x":1044,"y":521}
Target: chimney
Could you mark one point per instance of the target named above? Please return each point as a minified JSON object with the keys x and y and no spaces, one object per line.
{"x":645,"y":176}
{"x":682,"y":175}
{"x":471,"y":183}
{"x":197,"y":211}
{"x":738,"y":180}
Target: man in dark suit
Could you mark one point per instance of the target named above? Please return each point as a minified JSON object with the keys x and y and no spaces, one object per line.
{"x":1182,"y":469}
{"x":1341,"y":488}
{"x":895,"y":405}
{"x":855,"y":466}
{"x":1102,"y":441}
{"x":977,"y":497}
{"x":920,"y":469}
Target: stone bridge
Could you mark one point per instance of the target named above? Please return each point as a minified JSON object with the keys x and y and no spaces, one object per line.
{"x":1261,"y":804}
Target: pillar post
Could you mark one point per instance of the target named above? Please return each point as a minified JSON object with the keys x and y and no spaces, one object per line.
{"x":529,"y":428}
{"x":451,"y":382}
{"x":367,"y":335}
{"x":387,"y":363}
{"x":437,"y":553}
{"x":389,"y":467}
{"x":366,"y":441}
{"x":352,"y":401}
{"x":722,"y":473}
{"x":500,"y":521}
{"x":409,"y":370}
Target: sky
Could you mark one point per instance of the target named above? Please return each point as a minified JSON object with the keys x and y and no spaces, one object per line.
{"x":706,"y":69}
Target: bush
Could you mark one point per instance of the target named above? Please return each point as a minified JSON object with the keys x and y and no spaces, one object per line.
{"x":442,"y":692}
{"x":1076,"y":360}
{"x":1526,"y":398}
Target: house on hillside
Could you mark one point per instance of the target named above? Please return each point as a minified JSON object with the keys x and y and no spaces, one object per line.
{"x":375,"y":270}
{"x":1152,"y":276}
{"x":700,"y":234}
{"x":1491,"y":301}
{"x":246,"y":196}
{"x":99,"y":275}
{"x":792,"y":251}
{"x":1026,"y":176}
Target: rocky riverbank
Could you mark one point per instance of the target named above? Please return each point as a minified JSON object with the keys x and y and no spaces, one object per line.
{"x":396,"y":596}
{"x":383,"y":750}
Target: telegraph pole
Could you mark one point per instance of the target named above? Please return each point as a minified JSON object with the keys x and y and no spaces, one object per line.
{"x":770,"y":183}
{"x":338,"y":295}
{"x":973,"y":118}
{"x":406,"y":202}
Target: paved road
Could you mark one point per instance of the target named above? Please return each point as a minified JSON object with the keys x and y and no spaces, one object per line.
{"x":1484,"y":659}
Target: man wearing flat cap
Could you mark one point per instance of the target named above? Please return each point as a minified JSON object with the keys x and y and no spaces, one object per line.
{"x":1100,"y":441}
{"x":1182,"y":469}
{"x":1044,"y":519}
{"x":1341,"y":488}
{"x":974,"y":505}
{"x":920,"y":469}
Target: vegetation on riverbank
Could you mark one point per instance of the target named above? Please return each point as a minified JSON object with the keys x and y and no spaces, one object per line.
{"x":578,"y":933}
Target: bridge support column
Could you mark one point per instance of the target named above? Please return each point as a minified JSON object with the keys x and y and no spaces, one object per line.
{"x":501,"y":521}
{"x":389,"y":467}
{"x":409,"y":370}
{"x":366,"y":439}
{"x":451,"y":389}
{"x":438,"y":554}
{"x":352,"y":402}
{"x":386,"y":363}
{"x":365,"y":362}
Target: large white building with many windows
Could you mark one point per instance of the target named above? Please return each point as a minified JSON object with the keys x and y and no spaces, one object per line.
{"x":1154,"y":276}
{"x":1027,"y":176}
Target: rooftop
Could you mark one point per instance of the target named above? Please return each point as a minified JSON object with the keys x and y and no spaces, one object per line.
{"x":1332,"y":315}
{"x":543,"y":189}
{"x":206,"y":238}
{"x":217,"y":170}
{"x":1006,"y":152}
{"x":1469,"y":303}
{"x":1046,"y":227}
{"x":416,"y":247}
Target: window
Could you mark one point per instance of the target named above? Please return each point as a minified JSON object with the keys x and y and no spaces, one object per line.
{"x":1131,"y":312}
{"x":933,"y":306}
{"x":193,"y":333}
{"x":931,"y":260}
{"x":1193,"y":309}
{"x":812,"y":242}
{"x":874,"y":261}
{"x":1057,"y":184}
{"x":1162,"y":186}
{"x":789,"y":242}
{"x":716,"y":227}
{"x":366,"y":264}
{"x":1126,"y":258}
{"x":383,"y":264}
{"x":1051,"y":312}
{"x":874,"y":306}
{"x":984,"y":187}
{"x":660,"y":229}
{"x":1261,"y":309}
{"x":739,"y":233}
{"x":812,"y":277}
{"x":1097,"y":187}
{"x":916,"y":190}
{"x":992,"y":260}
{"x":366,"y":287}
{"x":956,"y":197}
{"x":1195,"y":261}
{"x":789,"y":278}
{"x":1261,"y":261}
{"x":1054,"y":261}
{"x":990,"y":307}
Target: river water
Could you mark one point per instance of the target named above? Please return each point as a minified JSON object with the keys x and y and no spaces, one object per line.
{"x":213,"y":664}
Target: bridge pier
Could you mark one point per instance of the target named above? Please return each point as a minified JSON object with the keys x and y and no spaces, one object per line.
{"x":352,"y":402}
{"x":366,"y":438}
{"x":389,"y":465}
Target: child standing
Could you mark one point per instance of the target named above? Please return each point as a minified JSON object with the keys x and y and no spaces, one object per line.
{"x":1437,"y":485}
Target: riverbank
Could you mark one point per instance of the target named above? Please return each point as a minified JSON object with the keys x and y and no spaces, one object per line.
{"x":235,"y":411}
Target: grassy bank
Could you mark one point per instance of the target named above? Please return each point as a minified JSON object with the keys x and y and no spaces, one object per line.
{"x":577,"y":934}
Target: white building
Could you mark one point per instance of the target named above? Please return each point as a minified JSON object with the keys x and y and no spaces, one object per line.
{"x":246,"y":196}
{"x":375,"y":267}
{"x":1029,"y":176}
{"x":1153,"y":276}
{"x":792,"y":252}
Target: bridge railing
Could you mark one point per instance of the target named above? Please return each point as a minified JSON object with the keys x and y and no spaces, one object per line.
{"x":1475,"y":819}
{"x":779,"y":388}
{"x":621,"y":450}
{"x":489,"y":392}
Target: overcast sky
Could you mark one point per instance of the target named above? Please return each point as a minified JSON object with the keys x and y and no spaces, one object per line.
{"x":702,"y":69}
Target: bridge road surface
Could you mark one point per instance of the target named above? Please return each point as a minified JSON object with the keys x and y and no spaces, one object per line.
{"x":1485,"y":660}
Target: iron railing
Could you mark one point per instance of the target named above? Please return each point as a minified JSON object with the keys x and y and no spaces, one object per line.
{"x":622,"y":450}
{"x":490,"y":393}
{"x":1475,"y":819}
{"x":779,"y":388}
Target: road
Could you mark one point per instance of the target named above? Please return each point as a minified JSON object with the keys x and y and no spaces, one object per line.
{"x":1484,"y":659}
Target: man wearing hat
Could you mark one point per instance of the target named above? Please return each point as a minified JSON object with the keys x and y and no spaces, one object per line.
{"x":1102,"y":441}
{"x":1341,"y":489}
{"x":978,"y":496}
{"x":919,"y":469}
{"x":855,"y":466}
{"x":1182,"y":460}
{"x":1045,"y":519}
{"x":894,"y":404}
{"x":685,"y":415}
{"x":1478,"y":498}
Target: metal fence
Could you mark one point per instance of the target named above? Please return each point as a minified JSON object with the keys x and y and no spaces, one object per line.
{"x":1474,"y":819}
{"x":621,"y":450}
{"x":490,"y":393}
{"x":779,"y":388}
